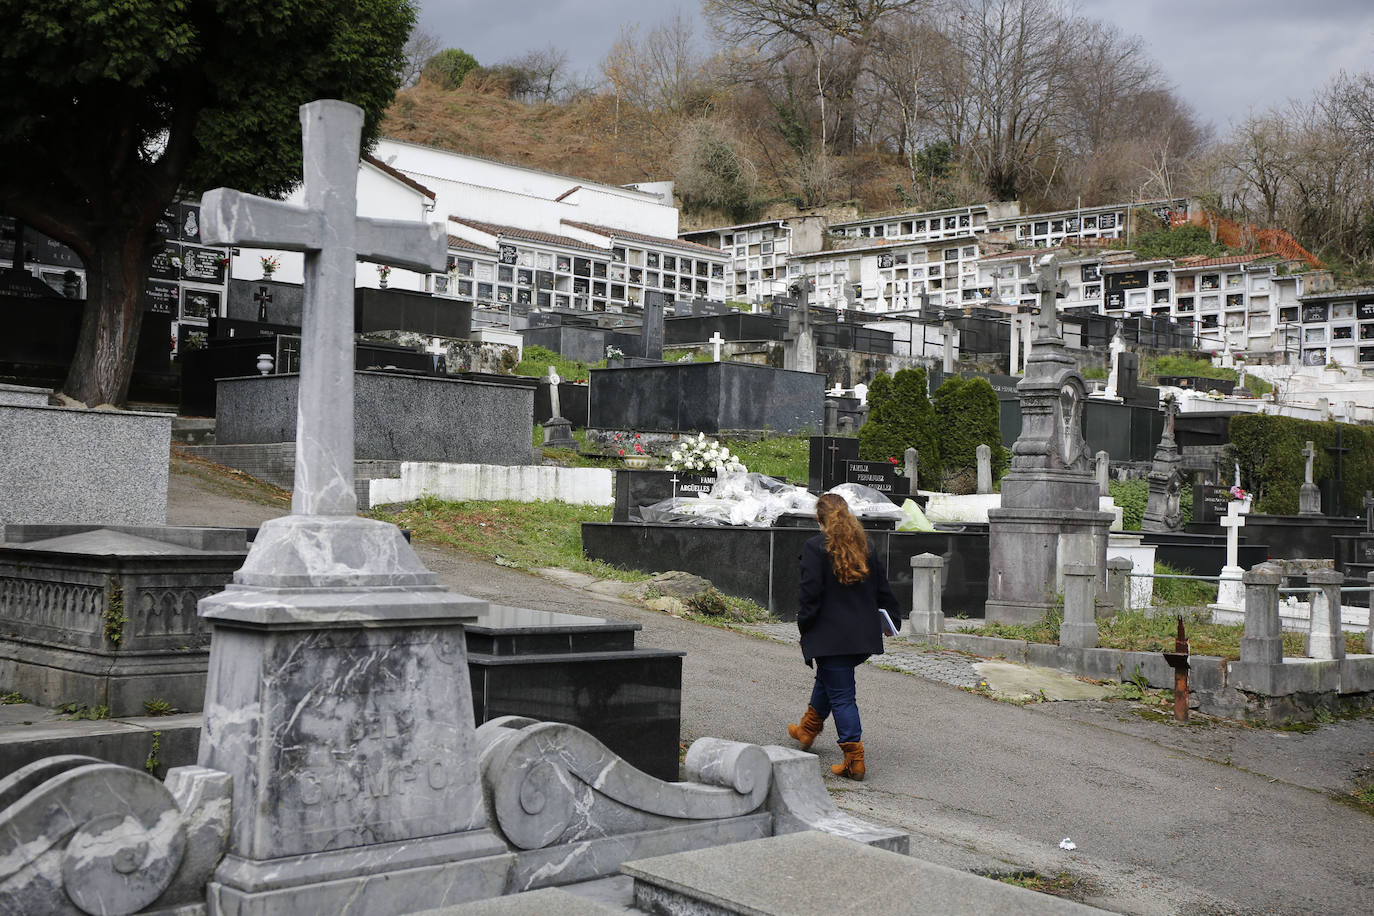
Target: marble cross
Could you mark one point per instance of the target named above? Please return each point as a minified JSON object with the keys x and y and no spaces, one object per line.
{"x":715,"y":341}
{"x":1309,"y":452}
{"x":1232,"y":521}
{"x":333,"y":237}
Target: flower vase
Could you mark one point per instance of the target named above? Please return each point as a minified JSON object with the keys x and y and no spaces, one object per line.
{"x":637,"y":462}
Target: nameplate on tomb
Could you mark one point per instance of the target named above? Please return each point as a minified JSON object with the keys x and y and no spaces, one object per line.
{"x":1210,"y":504}
{"x":878,"y":475}
{"x":361,"y":753}
{"x":694,"y":484}
{"x":203,"y":264}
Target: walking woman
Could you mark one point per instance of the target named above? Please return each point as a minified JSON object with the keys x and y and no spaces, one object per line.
{"x":843,"y":583}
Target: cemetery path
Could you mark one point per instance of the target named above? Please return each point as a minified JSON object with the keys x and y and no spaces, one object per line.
{"x":1161,"y":822}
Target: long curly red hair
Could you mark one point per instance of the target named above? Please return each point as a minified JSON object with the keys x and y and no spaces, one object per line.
{"x":845,"y":540}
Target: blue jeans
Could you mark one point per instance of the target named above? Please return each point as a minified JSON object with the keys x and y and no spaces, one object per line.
{"x":833,"y":694}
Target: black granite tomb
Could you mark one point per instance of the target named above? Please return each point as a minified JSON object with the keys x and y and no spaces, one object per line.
{"x":878,"y":475}
{"x":733,"y":558}
{"x":828,"y":455}
{"x":636,"y":489}
{"x":584,"y":671}
{"x":707,"y":397}
{"x":1201,"y":554}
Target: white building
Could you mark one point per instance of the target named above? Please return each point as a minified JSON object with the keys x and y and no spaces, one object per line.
{"x":757,"y":253}
{"x":523,"y":236}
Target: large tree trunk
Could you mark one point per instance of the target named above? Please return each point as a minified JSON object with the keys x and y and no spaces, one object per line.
{"x":116,"y":273}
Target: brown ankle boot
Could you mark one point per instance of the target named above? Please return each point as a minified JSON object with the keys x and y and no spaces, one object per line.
{"x":810,"y":727}
{"x":853,"y":765}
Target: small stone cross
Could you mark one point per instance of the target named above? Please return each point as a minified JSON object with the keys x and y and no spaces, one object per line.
{"x":716,"y":341}
{"x":1232,"y":521}
{"x":262,"y":297}
{"x":332,"y":235}
{"x":1309,"y":452}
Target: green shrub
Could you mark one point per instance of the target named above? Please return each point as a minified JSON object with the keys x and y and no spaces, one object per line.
{"x":900,"y":416}
{"x":1131,"y":497}
{"x":966,"y":413}
{"x":449,"y":67}
{"x":1272,"y":467}
{"x":1175,"y":243}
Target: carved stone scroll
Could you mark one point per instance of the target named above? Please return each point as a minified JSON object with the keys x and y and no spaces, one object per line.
{"x":548,"y":783}
{"x":78,"y":835}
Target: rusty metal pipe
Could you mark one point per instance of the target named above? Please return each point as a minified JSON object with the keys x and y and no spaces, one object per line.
{"x":1178,"y":660}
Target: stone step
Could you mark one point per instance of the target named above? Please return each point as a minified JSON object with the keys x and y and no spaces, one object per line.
{"x":29,"y":733}
{"x":814,"y":872}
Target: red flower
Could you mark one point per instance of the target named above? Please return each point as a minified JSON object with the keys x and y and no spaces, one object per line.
{"x":893,"y":460}
{"x":622,"y":453}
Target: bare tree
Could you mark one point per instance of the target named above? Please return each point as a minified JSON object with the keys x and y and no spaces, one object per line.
{"x":541,"y":75}
{"x":903,"y":57}
{"x":836,"y":34}
{"x":419,"y":48}
{"x":1009,"y":71}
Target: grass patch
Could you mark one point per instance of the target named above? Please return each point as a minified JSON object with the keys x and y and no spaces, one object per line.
{"x":784,"y":457}
{"x":159,"y":707}
{"x":1181,"y":592}
{"x":80,"y":711}
{"x":13,"y":698}
{"x":521,"y":535}
{"x":535,"y":362}
{"x":1363,"y":795}
{"x":1059,"y":885}
{"x":686,"y":355}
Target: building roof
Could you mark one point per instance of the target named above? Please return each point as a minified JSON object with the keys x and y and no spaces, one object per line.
{"x":1089,"y":211}
{"x":464,"y":245}
{"x":609,"y":232}
{"x":1353,"y":292}
{"x":759,"y":224}
{"x":528,"y":235}
{"x":903,"y":215}
{"x":1194,"y":261}
{"x":400,"y":176}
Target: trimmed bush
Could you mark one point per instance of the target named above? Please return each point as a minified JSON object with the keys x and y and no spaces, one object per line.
{"x":900,"y":416}
{"x":966,"y":412}
{"x":1269,"y":450}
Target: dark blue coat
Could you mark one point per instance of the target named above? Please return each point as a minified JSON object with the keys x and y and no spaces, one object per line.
{"x":837,"y":619}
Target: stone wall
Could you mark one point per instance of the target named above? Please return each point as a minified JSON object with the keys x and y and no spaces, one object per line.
{"x":83,"y":466}
{"x":396,"y":417}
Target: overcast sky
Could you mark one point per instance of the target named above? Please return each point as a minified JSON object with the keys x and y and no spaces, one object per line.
{"x":1224,"y":57}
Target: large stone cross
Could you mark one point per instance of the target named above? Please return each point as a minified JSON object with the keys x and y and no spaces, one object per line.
{"x":332,"y":235}
{"x":1049,"y":288}
{"x":1309,"y":452}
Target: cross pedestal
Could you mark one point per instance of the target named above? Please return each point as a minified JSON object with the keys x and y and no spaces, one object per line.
{"x":1231,"y":589}
{"x":338,"y":696}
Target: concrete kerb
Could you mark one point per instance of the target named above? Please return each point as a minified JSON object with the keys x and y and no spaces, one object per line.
{"x":1208,"y":672}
